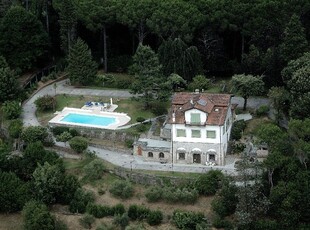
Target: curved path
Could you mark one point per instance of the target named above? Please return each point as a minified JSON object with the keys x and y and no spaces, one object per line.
{"x":117,"y":158}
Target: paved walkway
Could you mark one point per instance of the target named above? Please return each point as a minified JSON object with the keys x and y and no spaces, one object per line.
{"x":121,"y":159}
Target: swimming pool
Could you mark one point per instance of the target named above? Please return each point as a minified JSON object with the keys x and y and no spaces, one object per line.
{"x":88,"y":119}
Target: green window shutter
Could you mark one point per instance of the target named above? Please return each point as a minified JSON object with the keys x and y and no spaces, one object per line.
{"x":195,"y":118}
{"x":211,"y":134}
{"x":196,"y":134}
{"x":181,"y":133}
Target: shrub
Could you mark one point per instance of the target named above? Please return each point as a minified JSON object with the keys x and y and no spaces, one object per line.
{"x":136,"y":212}
{"x":200,"y":82}
{"x":118,"y":209}
{"x":122,"y":189}
{"x":99,"y":211}
{"x":237,"y":129}
{"x":237,"y":147}
{"x":78,"y":144}
{"x":129,"y":143}
{"x":141,"y":128}
{"x":32,"y":134}
{"x":209,"y":183}
{"x":74,"y":132}
{"x":158,"y":108}
{"x":121,"y":220}
{"x":45,"y":103}
{"x":262,"y":110}
{"x":187,"y":220}
{"x":140,"y":119}
{"x":154,"y":217}
{"x":94,"y":170}
{"x":15,"y":128}
{"x":57,"y":130}
{"x":153,"y":194}
{"x":87,"y":220}
{"x":80,"y":201}
{"x":11,"y":109}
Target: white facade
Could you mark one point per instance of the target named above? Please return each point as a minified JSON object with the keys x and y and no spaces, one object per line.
{"x":200,"y":143}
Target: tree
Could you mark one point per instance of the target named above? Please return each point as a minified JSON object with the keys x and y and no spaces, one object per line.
{"x":64,"y":137}
{"x":147,"y":70}
{"x":97,"y":16}
{"x":9,"y":88}
{"x":33,"y":155}
{"x":45,"y":103}
{"x":299,"y":132}
{"x":22,"y":38}
{"x":32,"y":134}
{"x":47,"y":181}
{"x":280,"y":99}
{"x":294,"y":40}
{"x":175,"y":19}
{"x":94,"y":170}
{"x":176,"y":57}
{"x":78,"y":144}
{"x":246,"y":86}
{"x":37,"y":216}
{"x":14,"y":192}
{"x":80,"y":200}
{"x":67,"y":20}
{"x":15,"y":128}
{"x":82,"y":69}
{"x":209,"y":183}
{"x":200,"y":82}
{"x":176,"y":81}
{"x":12,"y":109}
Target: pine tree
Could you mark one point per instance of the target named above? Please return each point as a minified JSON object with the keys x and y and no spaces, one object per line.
{"x":82,"y":69}
{"x":294,"y":40}
{"x":147,"y":69}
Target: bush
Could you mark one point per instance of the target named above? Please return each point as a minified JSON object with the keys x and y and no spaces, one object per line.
{"x":262,"y":111}
{"x":45,"y":103}
{"x":59,"y":130}
{"x":140,"y":119}
{"x":80,"y":201}
{"x":121,"y":220}
{"x":94,"y":170}
{"x":153,"y":194}
{"x":86,"y":221}
{"x":99,"y":211}
{"x":187,"y":220}
{"x":237,"y":147}
{"x":12,"y":109}
{"x":78,"y":144}
{"x":74,"y":132}
{"x":129,"y":143}
{"x":32,"y":134}
{"x":237,"y":129}
{"x":15,"y":128}
{"x":219,"y":222}
{"x":118,"y":209}
{"x":122,"y":189}
{"x":136,"y":212}
{"x":158,"y":108}
{"x":154,"y":217}
{"x":209,"y":183}
{"x":141,"y":128}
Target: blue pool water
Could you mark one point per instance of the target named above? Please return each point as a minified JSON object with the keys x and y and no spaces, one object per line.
{"x":89,"y":119}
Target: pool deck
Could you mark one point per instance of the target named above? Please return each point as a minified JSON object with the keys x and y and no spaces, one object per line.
{"x":121,"y":118}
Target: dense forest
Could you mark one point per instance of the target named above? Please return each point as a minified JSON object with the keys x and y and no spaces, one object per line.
{"x":262,"y":44}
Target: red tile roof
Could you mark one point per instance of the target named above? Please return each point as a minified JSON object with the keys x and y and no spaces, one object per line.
{"x":216,"y":105}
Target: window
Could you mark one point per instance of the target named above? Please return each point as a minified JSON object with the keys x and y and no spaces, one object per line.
{"x":196,"y":133}
{"x":150,"y":154}
{"x":182,"y":156}
{"x":195,"y":118}
{"x":181,"y":133}
{"x":211,"y":157}
{"x":161,"y":155}
{"x":211,"y":134}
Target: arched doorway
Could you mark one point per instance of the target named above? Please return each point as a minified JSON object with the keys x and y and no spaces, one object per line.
{"x":211,"y":155}
{"x":196,"y":155}
{"x":181,"y":153}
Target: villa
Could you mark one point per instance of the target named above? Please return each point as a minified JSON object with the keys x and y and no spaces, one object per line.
{"x":197,"y":131}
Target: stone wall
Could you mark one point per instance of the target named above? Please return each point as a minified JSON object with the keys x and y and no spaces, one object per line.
{"x":147,"y":179}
